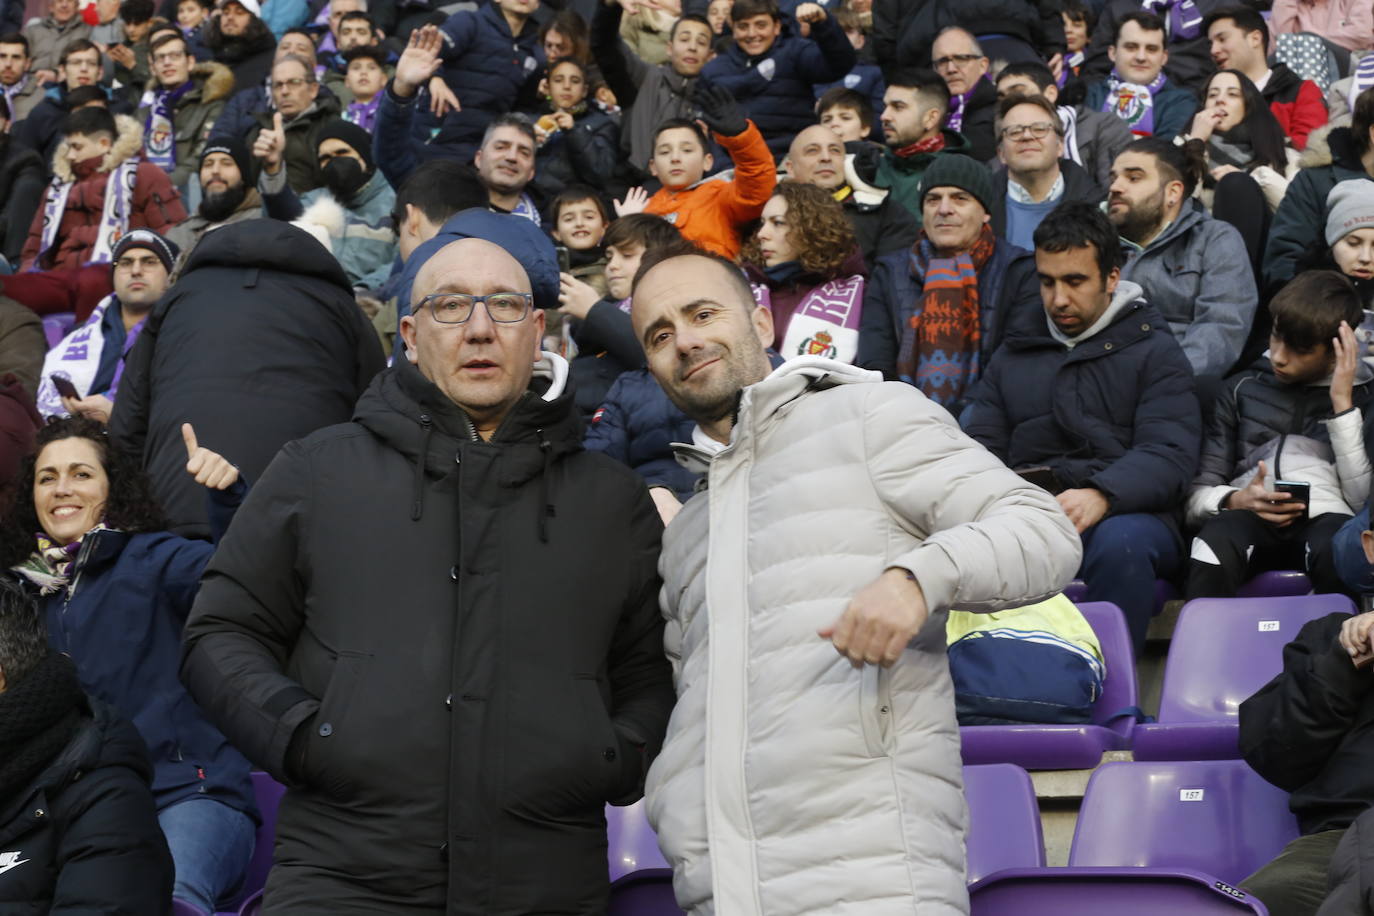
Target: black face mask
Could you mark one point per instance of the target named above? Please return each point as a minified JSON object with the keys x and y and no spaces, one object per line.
{"x":220,"y":205}
{"x":344,"y":176}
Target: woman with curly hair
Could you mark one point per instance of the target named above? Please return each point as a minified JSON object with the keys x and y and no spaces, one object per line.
{"x":807,"y":269}
{"x":115,"y":588}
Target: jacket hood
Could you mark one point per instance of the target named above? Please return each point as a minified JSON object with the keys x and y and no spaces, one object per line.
{"x":128,"y":142}
{"x":1126,"y":293}
{"x":104,"y":739}
{"x":1331,"y":145}
{"x":267,"y":244}
{"x":1280,"y":78}
{"x":1189,"y":216}
{"x":215,"y":81}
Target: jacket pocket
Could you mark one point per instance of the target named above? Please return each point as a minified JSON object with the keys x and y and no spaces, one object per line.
{"x":332,"y":741}
{"x":605,"y":750}
{"x":875,"y":709}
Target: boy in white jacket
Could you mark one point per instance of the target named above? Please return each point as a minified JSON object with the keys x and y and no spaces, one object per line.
{"x":1294,"y":416}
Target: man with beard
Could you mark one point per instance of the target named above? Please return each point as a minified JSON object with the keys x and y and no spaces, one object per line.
{"x":184,"y":103}
{"x":505,"y":165}
{"x":1192,"y":268}
{"x":228,"y":179}
{"x":21,"y":89}
{"x":301,"y":109}
{"x":366,"y":249}
{"x":240,"y":41}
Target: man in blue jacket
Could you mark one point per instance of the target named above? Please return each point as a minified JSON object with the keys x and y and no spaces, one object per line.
{"x":1117,"y":438}
{"x":772,"y":74}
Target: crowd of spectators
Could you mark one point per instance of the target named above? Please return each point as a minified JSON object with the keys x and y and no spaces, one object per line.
{"x":1128,"y":246}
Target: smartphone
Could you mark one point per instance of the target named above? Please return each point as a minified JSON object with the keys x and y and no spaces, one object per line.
{"x":564,"y":259}
{"x":1298,"y":491}
{"x":1043,"y":477}
{"x":65,"y":387}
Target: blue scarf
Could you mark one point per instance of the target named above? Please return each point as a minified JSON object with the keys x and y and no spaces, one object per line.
{"x":160,"y":145}
{"x":1133,"y":103}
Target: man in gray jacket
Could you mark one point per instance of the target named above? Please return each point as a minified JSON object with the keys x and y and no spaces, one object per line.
{"x":812,"y":762}
{"x":1193,"y":269}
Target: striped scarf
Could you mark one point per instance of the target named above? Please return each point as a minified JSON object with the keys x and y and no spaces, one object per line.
{"x":939,"y":353}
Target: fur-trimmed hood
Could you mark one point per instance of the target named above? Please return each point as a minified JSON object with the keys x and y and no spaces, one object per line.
{"x":128,"y":143}
{"x":215,"y":81}
{"x":1318,"y":151}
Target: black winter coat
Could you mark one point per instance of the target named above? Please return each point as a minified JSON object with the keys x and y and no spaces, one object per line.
{"x":585,"y":155}
{"x":881,"y":228}
{"x":465,"y":636}
{"x":1310,"y":731}
{"x":904,"y":30}
{"x":21,"y":191}
{"x":84,"y":836}
{"x":1117,"y":413}
{"x":259,"y":342}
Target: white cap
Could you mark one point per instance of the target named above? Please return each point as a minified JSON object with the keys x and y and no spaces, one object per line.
{"x":252,"y":6}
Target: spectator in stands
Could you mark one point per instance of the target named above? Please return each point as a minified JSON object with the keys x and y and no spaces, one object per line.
{"x":78,"y":72}
{"x":1341,"y":96}
{"x":355,"y":31}
{"x":364,"y":80}
{"x":579,"y":143}
{"x":186,"y":99}
{"x":1350,"y":233}
{"x":101,"y":191}
{"x":256,"y":299}
{"x":1239,"y":40}
{"x":1092,"y":138}
{"x":364,"y":246}
{"x":1186,"y":50}
{"x":933,"y":316}
{"x":1308,"y":732}
{"x":1237,"y":132}
{"x":566,"y":34}
{"x":578,"y":221}
{"x":914,"y":107}
{"x":91,"y":358}
{"x":1193,"y":269}
{"x":22,"y":90}
{"x":473,"y":385}
{"x":807,"y":270}
{"x":1347,"y":23}
{"x":281,"y":16}
{"x":97,"y":843}
{"x":1037,"y":178}
{"x":847,"y":113}
{"x":49,"y":35}
{"x":83,"y":511}
{"x":865,"y":78}
{"x":1295,"y":415}
{"x":228,"y":182}
{"x":300,"y":111}
{"x":772,"y":72}
{"x":133,"y":67}
{"x":193,"y":20}
{"x":505,"y":163}
{"x":21,"y":191}
{"x":1079,"y":19}
{"x":239,"y":39}
{"x":928,"y":519}
{"x":1095,"y":391}
{"x":904,"y":32}
{"x":1138,"y":90}
{"x":711,"y":213}
{"x":23,"y":344}
{"x":963,"y":66}
{"x":649,"y":94}
{"x":881,"y":224}
{"x":1341,"y":154}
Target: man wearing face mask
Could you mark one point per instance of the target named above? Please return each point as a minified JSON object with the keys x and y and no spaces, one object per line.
{"x":365,"y":248}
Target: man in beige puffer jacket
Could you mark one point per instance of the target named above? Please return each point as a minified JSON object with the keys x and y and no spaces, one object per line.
{"x":812,"y":761}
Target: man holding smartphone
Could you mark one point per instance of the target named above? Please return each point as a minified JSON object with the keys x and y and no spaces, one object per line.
{"x":1294,"y":418}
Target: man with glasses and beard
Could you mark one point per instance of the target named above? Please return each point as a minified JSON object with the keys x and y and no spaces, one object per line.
{"x":228,"y":179}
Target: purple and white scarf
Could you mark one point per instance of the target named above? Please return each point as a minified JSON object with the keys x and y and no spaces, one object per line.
{"x":160,"y":145}
{"x":364,"y":114}
{"x":77,"y":358}
{"x":955,"y":119}
{"x":1362,"y":78}
{"x":114,"y":216}
{"x":1133,"y":103}
{"x":826,"y":322}
{"x":1182,"y":18}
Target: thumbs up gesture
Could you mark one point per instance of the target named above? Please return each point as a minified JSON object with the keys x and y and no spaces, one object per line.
{"x":210,"y":469}
{"x":270,"y":145}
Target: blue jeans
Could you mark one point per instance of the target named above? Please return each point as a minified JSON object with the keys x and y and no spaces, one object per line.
{"x":1123,"y":555}
{"x":211,"y":845}
{"x":1352,"y":566}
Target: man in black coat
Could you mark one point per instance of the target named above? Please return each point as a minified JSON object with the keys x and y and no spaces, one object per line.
{"x":258,"y":342}
{"x":1093,"y":399}
{"x":78,"y":828}
{"x":439,"y":624}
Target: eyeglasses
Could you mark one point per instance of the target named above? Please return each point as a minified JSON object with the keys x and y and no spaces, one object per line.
{"x":456,"y":308}
{"x":168,"y":57}
{"x":955,"y":60}
{"x":293,"y":83}
{"x":1039,"y":130}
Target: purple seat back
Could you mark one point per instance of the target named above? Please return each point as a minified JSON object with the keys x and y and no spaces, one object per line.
{"x":252,"y":906}
{"x":1212,"y":816}
{"x":1224,"y":649}
{"x":1118,"y":891}
{"x":1003,"y":820}
{"x":630,"y":842}
{"x":1277,"y":583}
{"x":58,"y":326}
{"x":182,"y":908}
{"x":1119,"y":687}
{"x":644,"y":893}
{"x":269,"y":793}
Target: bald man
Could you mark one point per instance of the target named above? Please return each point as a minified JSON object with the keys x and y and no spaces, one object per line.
{"x":881,"y":224}
{"x":438,"y":624}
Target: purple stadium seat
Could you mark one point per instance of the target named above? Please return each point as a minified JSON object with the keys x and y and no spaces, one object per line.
{"x":1056,"y":747}
{"x":1277,"y":583}
{"x":56,"y":327}
{"x":252,"y":906}
{"x":644,"y":893}
{"x":1077,"y":592}
{"x":1213,"y":816}
{"x":269,"y":793}
{"x":1003,"y":820}
{"x":1223,"y":650}
{"x":630,"y":842}
{"x":1118,"y":891}
{"x":182,"y":908}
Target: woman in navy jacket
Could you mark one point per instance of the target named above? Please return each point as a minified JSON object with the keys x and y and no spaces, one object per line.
{"x":116,"y":590}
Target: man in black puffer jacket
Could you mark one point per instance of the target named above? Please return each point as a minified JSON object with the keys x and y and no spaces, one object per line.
{"x":78,"y":830}
{"x":439,"y":624}
{"x":259,"y":342}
